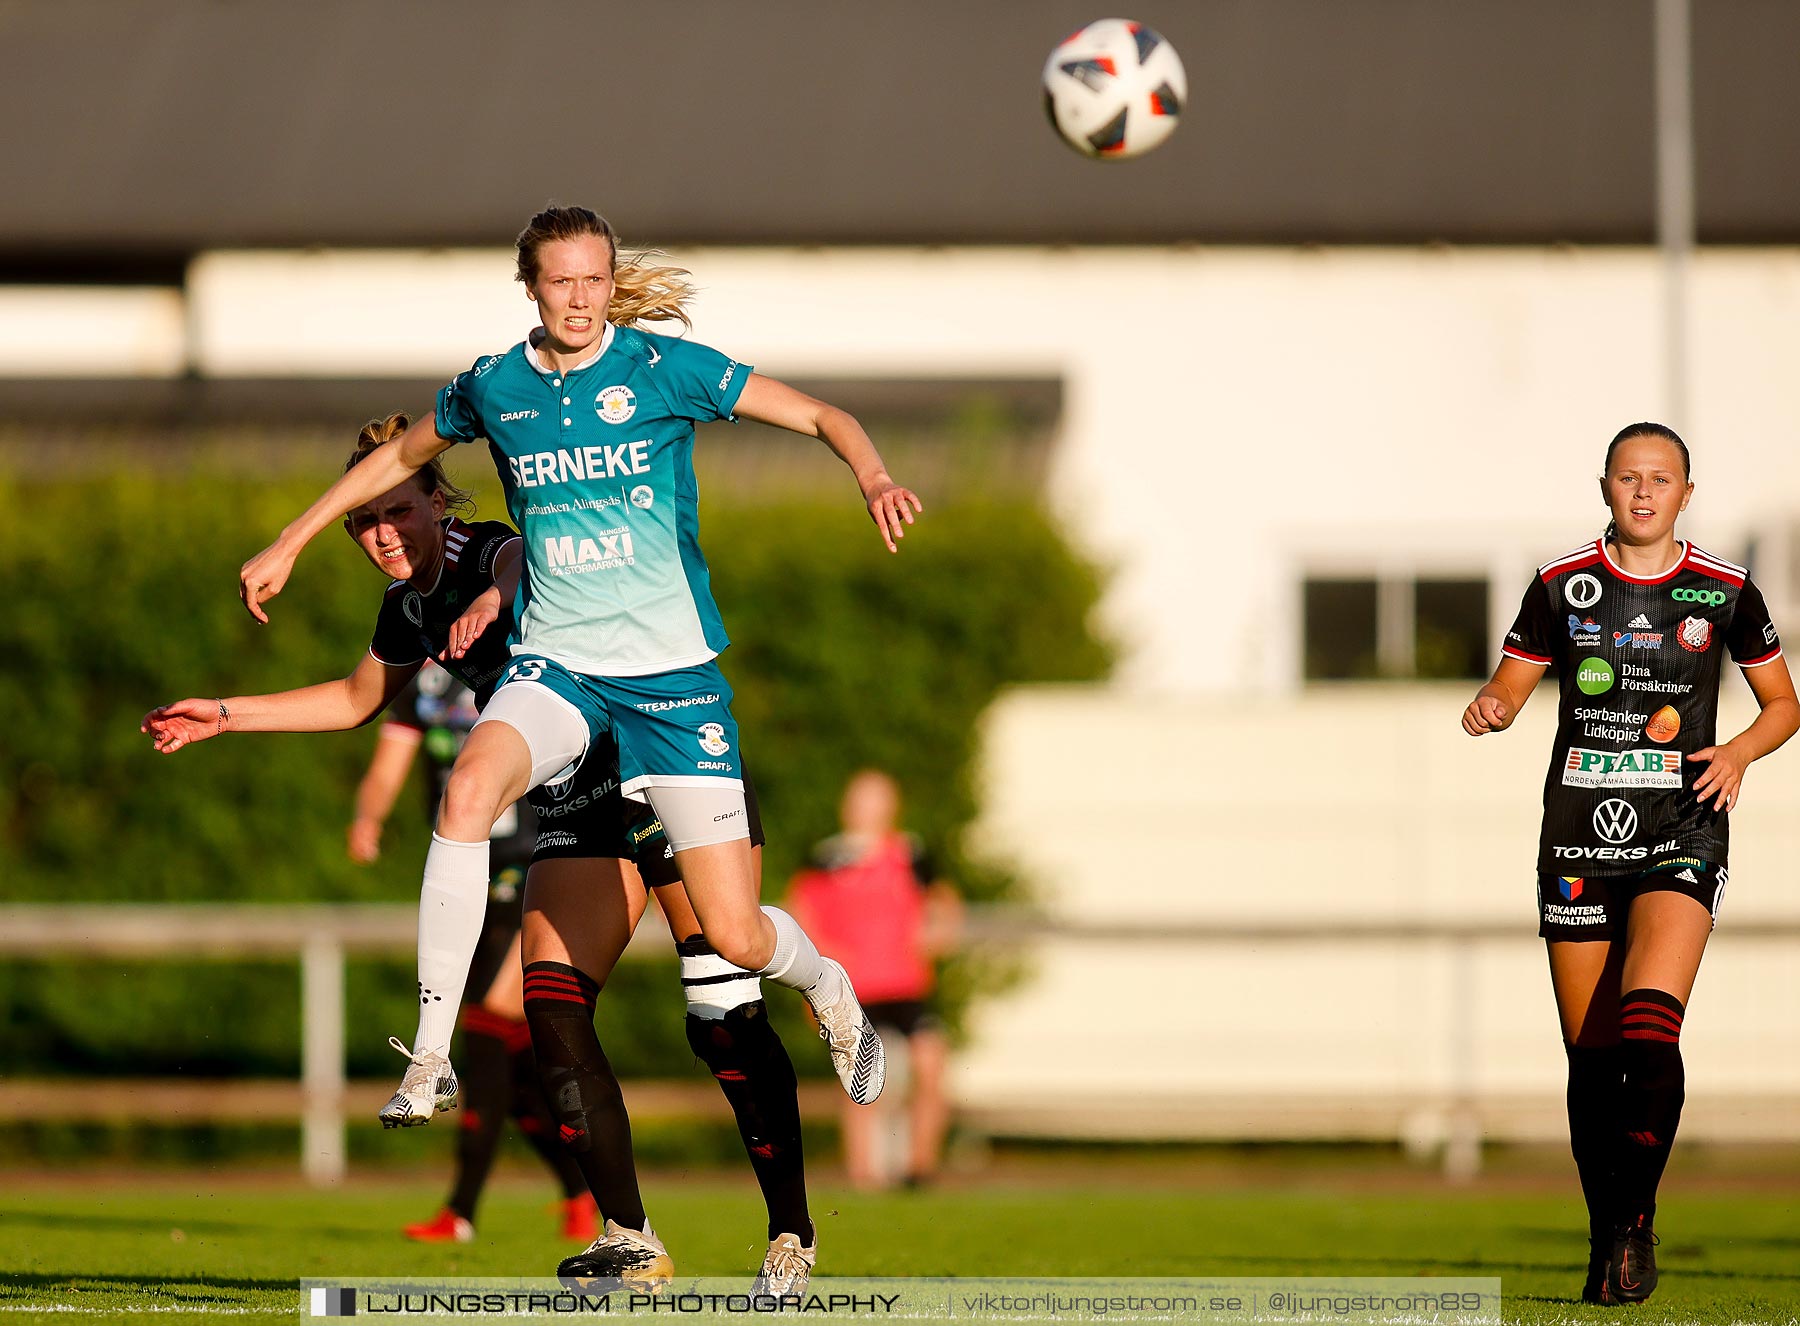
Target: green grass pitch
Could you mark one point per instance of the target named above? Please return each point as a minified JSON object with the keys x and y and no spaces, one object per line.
{"x":70,"y":1249}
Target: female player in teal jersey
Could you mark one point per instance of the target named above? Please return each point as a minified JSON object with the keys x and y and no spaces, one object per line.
{"x":617,"y":631}
{"x":1632,"y":852}
{"x":596,"y":859}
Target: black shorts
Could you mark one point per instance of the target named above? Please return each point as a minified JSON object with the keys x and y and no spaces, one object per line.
{"x":1594,"y":907}
{"x":908,"y":1017}
{"x":587,"y":816}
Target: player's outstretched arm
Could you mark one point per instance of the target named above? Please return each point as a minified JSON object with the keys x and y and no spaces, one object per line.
{"x":331,"y":706}
{"x":264,"y":575}
{"x":1778,"y":720}
{"x":486,"y":608}
{"x":1498,"y":703}
{"x":891,"y":507}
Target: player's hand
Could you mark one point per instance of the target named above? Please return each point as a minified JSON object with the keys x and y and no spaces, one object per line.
{"x":364,"y":840}
{"x":172,"y":726}
{"x":263,"y":577}
{"x":1486,"y":713}
{"x":467,"y":629}
{"x":1724,"y":776}
{"x":892,"y":508}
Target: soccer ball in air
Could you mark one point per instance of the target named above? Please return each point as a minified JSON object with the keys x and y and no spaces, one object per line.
{"x":1114,"y":90}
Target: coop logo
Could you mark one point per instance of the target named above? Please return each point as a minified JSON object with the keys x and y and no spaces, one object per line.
{"x":1583,"y":632}
{"x":1627,"y":768}
{"x":569,"y":556}
{"x":1582,"y":591}
{"x":1711,"y":597}
{"x":1694,"y":634}
{"x":512,"y":416}
{"x":567,"y":464}
{"x":1615,"y":821}
{"x":712,"y":739}
{"x":615,"y":405}
{"x":643,"y":497}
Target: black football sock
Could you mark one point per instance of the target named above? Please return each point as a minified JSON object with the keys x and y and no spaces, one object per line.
{"x":584,"y":1096}
{"x":486,"y":1086}
{"x":531,"y":1111}
{"x":1596,"y":1085}
{"x":1655,"y":1086}
{"x":757,"y":1077}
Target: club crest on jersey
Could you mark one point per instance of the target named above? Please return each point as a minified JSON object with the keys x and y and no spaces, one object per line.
{"x":1582,"y":591}
{"x":1694,"y":634}
{"x":414,"y":607}
{"x":615,"y":405}
{"x":712,"y":739}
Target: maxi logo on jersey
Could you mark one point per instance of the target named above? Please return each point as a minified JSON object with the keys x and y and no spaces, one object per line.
{"x":1626,"y":768}
{"x":607,"y":549}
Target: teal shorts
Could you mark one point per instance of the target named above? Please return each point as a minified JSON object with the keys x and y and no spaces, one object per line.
{"x":673,"y":729}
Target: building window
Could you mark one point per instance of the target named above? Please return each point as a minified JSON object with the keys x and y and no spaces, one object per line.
{"x":1372,"y":628}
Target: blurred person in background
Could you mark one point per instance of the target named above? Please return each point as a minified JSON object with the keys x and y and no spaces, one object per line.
{"x":1632,"y":852}
{"x":500,"y":1078}
{"x":874,"y":896}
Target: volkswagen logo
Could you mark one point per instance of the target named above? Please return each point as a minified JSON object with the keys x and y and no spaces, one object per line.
{"x":1582,"y":591}
{"x":1615,"y":821}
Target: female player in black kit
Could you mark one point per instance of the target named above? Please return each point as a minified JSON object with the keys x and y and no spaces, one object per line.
{"x":595,"y":857}
{"x":1632,"y":860}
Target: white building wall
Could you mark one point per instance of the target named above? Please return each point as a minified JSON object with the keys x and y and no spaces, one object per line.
{"x":1234,"y":417}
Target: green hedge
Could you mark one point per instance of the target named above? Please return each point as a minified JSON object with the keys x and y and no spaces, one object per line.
{"x":122,"y":595}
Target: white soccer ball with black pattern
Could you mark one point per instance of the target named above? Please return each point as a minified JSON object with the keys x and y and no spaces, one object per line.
{"x":1115,"y":89}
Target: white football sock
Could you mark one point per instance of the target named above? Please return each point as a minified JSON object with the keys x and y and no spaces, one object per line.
{"x":795,"y":962}
{"x":452,"y":905}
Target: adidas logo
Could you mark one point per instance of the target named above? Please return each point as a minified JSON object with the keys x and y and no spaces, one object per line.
{"x":1688,"y":875}
{"x":1638,"y":623}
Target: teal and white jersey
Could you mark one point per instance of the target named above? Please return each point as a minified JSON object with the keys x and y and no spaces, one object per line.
{"x":598,"y":467}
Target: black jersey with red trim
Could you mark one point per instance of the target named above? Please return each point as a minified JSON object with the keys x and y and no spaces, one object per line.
{"x":443,"y":712}
{"x":414,"y":626}
{"x":1640,"y":660}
